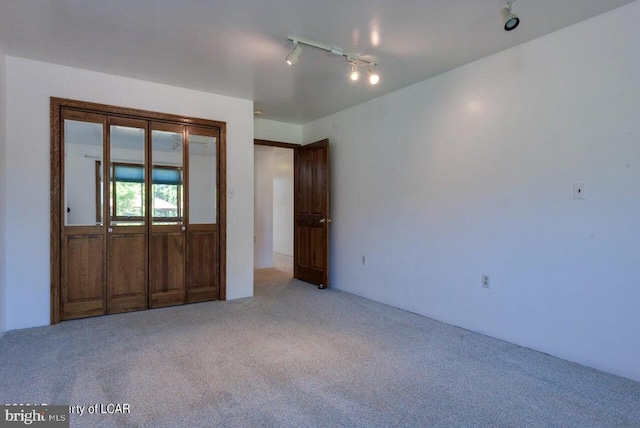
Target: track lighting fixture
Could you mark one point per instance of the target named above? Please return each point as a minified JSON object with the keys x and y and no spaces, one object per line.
{"x":354,"y":60}
{"x":510,"y":20}
{"x":292,"y":58}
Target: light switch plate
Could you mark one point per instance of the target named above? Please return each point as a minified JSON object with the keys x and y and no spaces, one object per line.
{"x":578,"y":191}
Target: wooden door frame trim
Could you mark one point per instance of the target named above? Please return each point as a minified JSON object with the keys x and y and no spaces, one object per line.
{"x":55,"y":197}
{"x":56,"y":107}
{"x":270,"y":143}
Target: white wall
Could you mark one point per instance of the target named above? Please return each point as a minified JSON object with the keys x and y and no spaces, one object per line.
{"x":3,"y":213}
{"x":263,"y":218}
{"x":283,"y":201}
{"x":472,"y":173}
{"x":29,"y":86}
{"x":273,"y":130}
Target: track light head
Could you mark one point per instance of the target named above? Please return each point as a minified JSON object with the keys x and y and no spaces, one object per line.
{"x":510,"y":20}
{"x":292,"y":58}
{"x":355,"y":74}
{"x":373,"y":76}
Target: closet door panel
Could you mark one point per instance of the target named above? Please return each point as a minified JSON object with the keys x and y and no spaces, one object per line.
{"x":82,"y":272}
{"x":127,"y":253}
{"x":203,"y":257}
{"x":203,"y":264}
{"x":83,"y":275}
{"x":167,"y":284}
{"x":127,"y":272}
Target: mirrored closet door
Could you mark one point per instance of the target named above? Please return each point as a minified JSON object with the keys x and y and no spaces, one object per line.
{"x":138,"y":220}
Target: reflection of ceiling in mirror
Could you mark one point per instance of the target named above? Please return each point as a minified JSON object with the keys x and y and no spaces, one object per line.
{"x":86,"y":133}
{"x":125,"y":137}
{"x":165,"y":141}
{"x":200,"y":145}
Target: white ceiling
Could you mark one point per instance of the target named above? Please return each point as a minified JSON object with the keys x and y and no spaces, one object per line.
{"x":237,"y":47}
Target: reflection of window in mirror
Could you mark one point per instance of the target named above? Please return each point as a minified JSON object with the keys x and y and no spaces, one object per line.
{"x":127,"y":193}
{"x":167,"y":194}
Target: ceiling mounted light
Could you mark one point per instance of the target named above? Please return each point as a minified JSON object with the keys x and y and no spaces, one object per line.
{"x":373,"y":76}
{"x":355,"y":75}
{"x":353,"y":59}
{"x":292,"y":58}
{"x":510,"y":20}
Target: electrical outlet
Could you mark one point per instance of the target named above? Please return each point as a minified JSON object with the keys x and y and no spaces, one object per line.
{"x":485,"y":281}
{"x":364,"y":259}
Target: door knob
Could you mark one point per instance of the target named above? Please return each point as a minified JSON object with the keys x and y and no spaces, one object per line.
{"x":325,"y":220}
{"x":110,"y":230}
{"x":184,"y":228}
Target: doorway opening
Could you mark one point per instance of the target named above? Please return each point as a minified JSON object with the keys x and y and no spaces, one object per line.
{"x":273,"y":212}
{"x":310,"y":220}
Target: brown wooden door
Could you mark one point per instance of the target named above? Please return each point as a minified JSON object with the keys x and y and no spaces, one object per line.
{"x":82,"y":273}
{"x":311,"y":206}
{"x":168,"y":230}
{"x":128,"y":202}
{"x":203,"y":229}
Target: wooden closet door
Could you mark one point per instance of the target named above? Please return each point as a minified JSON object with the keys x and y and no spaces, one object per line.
{"x":82,"y":290}
{"x":167,"y":284}
{"x":127,"y":261}
{"x":203,"y":258}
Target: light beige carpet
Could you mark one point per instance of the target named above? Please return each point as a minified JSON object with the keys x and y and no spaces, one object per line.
{"x":296,"y":356}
